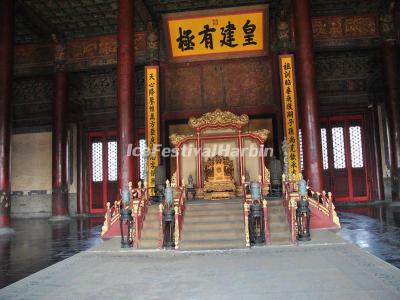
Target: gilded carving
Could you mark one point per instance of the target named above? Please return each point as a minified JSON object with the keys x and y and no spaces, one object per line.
{"x":152,"y":42}
{"x":360,"y":26}
{"x":387,"y":22}
{"x":284,"y":33}
{"x":173,"y":180}
{"x":343,"y":27}
{"x":59,"y":52}
{"x":283,"y":26}
{"x":218,"y":118}
{"x":267,"y":175}
{"x":219,"y":181}
{"x":5,"y":199}
{"x":34,"y":54}
{"x":262,"y":134}
{"x":175,"y":139}
{"x":100,"y":46}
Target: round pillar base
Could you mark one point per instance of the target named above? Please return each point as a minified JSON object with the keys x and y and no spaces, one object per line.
{"x":6,"y":230}
{"x":304,"y":238}
{"x":60,"y":219}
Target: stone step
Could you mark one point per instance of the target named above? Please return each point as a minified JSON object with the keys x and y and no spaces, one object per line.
{"x":200,"y":213}
{"x":216,"y":235}
{"x":210,"y":245}
{"x":278,"y":226}
{"x":276,"y":209}
{"x":280,"y":234}
{"x":151,"y":219}
{"x":277,"y":218}
{"x":150,"y":227}
{"x":212,"y":226}
{"x":212,"y":218}
{"x":274,"y":203}
{"x":153,"y":234}
{"x":214,"y":208}
{"x":281,"y":240}
{"x":148,"y":244}
{"x":150,"y":231}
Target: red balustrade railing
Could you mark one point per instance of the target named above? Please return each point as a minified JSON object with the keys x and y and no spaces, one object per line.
{"x":290,"y":198}
{"x":111,"y":216}
{"x":323,"y":202}
{"x":139,"y":204}
{"x":323,"y":213}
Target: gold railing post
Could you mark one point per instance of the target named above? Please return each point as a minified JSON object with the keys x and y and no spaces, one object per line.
{"x":135,"y":207}
{"x":246,"y":223}
{"x":293,"y":207}
{"x":266,"y":224}
{"x":177,"y":235}
{"x":161,"y":228}
{"x":107,"y":220}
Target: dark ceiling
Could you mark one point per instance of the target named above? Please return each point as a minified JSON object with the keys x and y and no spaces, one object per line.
{"x":36,"y":20}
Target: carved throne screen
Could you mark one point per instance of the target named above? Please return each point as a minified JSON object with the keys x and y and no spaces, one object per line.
{"x":218,"y":128}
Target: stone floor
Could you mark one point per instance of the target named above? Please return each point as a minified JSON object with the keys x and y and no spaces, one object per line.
{"x":329,"y":270}
{"x":38,"y":244}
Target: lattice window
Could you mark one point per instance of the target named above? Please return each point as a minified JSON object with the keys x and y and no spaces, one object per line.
{"x":112,"y":161}
{"x":324,"y":145}
{"x":142,"y":158}
{"x":97,"y":161}
{"x":339,"y":158}
{"x":301,"y":150}
{"x":357,"y":158}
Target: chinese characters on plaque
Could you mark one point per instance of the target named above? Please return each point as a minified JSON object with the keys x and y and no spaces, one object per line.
{"x":152,"y":119}
{"x":289,"y":105}
{"x":217,"y":32}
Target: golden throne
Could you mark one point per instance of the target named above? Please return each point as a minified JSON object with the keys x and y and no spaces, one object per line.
{"x":219,"y":182}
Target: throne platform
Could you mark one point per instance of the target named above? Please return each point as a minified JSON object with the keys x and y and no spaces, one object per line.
{"x":216,"y":172}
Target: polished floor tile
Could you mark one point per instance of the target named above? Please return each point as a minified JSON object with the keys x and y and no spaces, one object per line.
{"x":374,"y":229}
{"x":38,"y":243}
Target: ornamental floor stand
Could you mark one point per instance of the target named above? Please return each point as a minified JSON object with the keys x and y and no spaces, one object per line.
{"x":126,"y":217}
{"x":257,"y":233}
{"x":169,"y":228}
{"x":303,"y":221}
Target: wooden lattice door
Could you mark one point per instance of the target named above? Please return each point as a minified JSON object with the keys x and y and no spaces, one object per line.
{"x":103,"y":170}
{"x":344,"y":158}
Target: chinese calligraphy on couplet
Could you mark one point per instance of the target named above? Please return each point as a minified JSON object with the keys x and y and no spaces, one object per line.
{"x":152,"y":120}
{"x":289,"y":107}
{"x":217,"y":32}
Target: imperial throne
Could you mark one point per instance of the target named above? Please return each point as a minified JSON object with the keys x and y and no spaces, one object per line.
{"x":219,"y":182}
{"x":220,"y":176}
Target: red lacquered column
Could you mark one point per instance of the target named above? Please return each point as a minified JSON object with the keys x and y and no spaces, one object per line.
{"x":391,"y":71}
{"x":125,"y":92}
{"x":308,"y":99}
{"x":379,"y":194}
{"x":60,"y":188}
{"x":6,"y":72}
